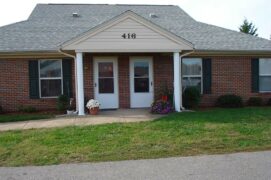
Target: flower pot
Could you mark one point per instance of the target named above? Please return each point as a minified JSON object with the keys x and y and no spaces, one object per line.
{"x":94,"y":111}
{"x":70,"y":112}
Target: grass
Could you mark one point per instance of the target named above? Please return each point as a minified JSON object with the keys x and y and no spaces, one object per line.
{"x":23,"y":117}
{"x":180,"y":134}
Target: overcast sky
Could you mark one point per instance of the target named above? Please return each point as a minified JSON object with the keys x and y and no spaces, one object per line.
{"x":227,"y":13}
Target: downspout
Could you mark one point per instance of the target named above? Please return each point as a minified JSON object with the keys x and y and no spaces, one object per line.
{"x":75,"y":79}
{"x":181,"y":56}
{"x":186,"y":54}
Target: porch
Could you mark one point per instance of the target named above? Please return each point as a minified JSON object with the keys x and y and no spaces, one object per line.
{"x":126,"y":33}
{"x":126,"y":80}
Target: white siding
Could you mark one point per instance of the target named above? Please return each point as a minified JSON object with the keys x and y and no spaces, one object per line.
{"x":111,"y":40}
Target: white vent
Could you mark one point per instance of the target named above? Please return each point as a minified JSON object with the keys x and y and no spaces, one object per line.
{"x":75,"y":14}
{"x":152,"y":15}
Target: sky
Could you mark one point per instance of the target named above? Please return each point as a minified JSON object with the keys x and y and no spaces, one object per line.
{"x":228,"y":13}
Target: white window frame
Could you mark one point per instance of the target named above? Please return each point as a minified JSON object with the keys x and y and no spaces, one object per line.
{"x":50,"y":78}
{"x":263,"y":75}
{"x":188,"y":76}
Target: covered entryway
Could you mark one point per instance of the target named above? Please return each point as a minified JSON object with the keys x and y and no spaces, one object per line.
{"x":127,"y":33}
{"x":141,"y":82}
{"x":106,"y":82}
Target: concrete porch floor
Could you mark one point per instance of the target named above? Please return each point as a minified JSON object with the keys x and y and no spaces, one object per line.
{"x":104,"y":117}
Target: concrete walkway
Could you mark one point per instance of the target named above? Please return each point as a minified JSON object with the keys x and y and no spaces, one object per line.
{"x":112,"y":116}
{"x":240,"y":166}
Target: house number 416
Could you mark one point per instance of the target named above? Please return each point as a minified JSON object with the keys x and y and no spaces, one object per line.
{"x":129,"y":36}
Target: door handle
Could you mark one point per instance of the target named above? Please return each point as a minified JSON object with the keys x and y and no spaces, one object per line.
{"x":95,"y":84}
{"x":151,"y":83}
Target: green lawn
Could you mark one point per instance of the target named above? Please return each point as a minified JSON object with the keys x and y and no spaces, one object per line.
{"x":190,"y":133}
{"x":23,"y":117}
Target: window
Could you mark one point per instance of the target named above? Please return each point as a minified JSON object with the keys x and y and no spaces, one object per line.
{"x":106,"y":77}
{"x":50,"y":73}
{"x":192,"y":73}
{"x":265,"y":75}
{"x":141,"y":77}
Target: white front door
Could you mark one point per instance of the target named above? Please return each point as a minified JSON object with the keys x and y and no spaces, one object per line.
{"x":141,"y":82}
{"x":106,"y":82}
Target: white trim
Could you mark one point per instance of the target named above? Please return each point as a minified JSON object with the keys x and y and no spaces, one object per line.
{"x":50,"y":78}
{"x":114,"y":59}
{"x":177,"y":81}
{"x":148,"y":59}
{"x":80,"y":83}
{"x":195,"y":76}
{"x":127,"y":50}
{"x":263,"y":75}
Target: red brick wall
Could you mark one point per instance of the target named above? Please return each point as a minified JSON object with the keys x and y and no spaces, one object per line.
{"x":229,"y":75}
{"x":14,"y":87}
{"x":88,"y":76}
{"x":162,"y":73}
{"x":124,"y":81}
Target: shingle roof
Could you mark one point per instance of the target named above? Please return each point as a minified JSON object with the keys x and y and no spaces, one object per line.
{"x":50,"y":25}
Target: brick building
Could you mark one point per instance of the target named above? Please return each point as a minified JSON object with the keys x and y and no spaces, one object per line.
{"x":123,"y":55}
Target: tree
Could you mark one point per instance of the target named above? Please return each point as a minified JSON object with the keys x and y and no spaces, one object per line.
{"x":248,"y":28}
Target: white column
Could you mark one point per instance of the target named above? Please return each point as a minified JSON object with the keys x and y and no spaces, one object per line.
{"x":181,"y":85}
{"x":75,"y":82}
{"x":80,"y":83}
{"x":177,"y":82}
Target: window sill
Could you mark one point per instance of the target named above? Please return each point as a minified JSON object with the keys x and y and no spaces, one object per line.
{"x":54,"y":97}
{"x":265,"y":92}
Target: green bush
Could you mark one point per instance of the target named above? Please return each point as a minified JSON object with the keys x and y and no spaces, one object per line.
{"x":62,"y":103}
{"x":1,"y":110}
{"x":229,"y":101}
{"x":191,"y":97}
{"x":255,"y":101}
{"x":27,"y":109}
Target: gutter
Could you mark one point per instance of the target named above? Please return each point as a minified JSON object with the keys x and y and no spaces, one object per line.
{"x":186,"y":54}
{"x":66,"y":54}
{"x":75,"y":75}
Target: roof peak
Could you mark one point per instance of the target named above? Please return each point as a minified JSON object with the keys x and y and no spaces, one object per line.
{"x":79,"y":4}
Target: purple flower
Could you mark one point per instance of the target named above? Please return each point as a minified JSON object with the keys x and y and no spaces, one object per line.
{"x":161,"y":107}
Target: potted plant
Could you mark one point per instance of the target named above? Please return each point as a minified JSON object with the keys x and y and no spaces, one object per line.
{"x":166,"y":93}
{"x":93,"y":106}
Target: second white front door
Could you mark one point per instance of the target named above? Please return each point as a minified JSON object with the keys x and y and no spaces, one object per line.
{"x":141,"y":82}
{"x":106,"y":82}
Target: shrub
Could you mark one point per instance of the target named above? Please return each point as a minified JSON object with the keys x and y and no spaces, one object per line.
{"x":27,"y":109}
{"x":62,"y":103}
{"x":1,"y":110}
{"x":165,"y":93}
{"x":191,"y":97}
{"x":161,"y":107}
{"x":269,"y":102}
{"x":255,"y":101}
{"x":229,"y":101}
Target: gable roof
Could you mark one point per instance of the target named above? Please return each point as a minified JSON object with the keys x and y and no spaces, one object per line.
{"x":170,"y":42}
{"x":50,"y":25}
